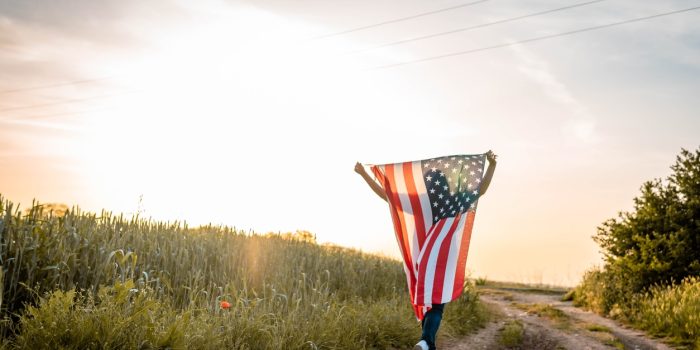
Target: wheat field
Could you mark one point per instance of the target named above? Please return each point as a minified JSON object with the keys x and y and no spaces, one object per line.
{"x":79,"y":280}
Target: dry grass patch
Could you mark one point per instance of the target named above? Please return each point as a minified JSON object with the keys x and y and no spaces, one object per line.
{"x":512,"y":334}
{"x":560,"y":319}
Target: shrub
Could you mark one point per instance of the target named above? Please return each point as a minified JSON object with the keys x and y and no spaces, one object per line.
{"x":659,"y":242}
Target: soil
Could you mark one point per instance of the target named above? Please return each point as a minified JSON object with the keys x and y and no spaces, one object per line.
{"x":568,"y":328}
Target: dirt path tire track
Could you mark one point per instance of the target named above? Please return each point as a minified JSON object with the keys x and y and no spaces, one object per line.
{"x":548,"y":335}
{"x":631,"y":338}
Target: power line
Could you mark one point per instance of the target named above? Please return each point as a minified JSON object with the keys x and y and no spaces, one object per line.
{"x":40,"y":87}
{"x":86,"y":81}
{"x":459,"y":53}
{"x":92,"y":80}
{"x":512,"y":19}
{"x":398,"y":20}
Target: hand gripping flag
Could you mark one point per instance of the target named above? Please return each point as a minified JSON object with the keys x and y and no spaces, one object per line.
{"x":433,"y":204}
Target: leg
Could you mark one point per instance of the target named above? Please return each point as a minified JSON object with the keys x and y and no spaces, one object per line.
{"x":431,"y":323}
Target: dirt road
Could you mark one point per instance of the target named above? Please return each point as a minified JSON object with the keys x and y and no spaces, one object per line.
{"x":538,"y":319}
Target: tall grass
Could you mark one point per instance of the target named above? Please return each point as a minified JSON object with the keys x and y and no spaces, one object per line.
{"x":82,"y":280}
{"x":671,"y":311}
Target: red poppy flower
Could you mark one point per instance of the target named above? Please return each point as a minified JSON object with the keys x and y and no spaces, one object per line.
{"x":225,"y":305}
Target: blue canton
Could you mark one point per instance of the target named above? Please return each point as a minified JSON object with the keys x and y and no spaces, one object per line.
{"x":453,"y":183}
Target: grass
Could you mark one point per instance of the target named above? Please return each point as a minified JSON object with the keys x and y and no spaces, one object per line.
{"x":596,"y":328}
{"x":670,"y":312}
{"x":616,"y":343}
{"x":560,"y":319}
{"x":512,"y":334}
{"x":84,"y":280}
{"x":523,"y":287}
{"x":569,"y":296}
{"x":480,"y":281}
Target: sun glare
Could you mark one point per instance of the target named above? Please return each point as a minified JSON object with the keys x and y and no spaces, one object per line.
{"x":203,"y":95}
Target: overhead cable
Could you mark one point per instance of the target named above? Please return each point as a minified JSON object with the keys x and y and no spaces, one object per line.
{"x":357,"y":29}
{"x":464,"y":29}
{"x":539,"y":38}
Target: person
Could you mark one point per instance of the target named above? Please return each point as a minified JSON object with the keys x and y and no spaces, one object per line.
{"x":431,"y":321}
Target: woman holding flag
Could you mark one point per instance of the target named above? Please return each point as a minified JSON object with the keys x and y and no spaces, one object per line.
{"x":433,"y":204}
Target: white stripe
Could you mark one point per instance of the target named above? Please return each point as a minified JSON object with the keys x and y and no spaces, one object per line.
{"x":408,"y":217}
{"x":451,"y":267}
{"x":423,"y":196}
{"x":406,"y":270}
{"x":432,"y":261}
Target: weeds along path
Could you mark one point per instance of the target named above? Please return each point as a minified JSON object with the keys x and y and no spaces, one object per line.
{"x":538,"y":319}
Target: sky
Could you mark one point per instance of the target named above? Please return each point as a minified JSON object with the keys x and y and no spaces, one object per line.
{"x":252,"y":114}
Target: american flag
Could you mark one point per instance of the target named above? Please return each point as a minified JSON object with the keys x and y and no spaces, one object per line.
{"x":433,"y":204}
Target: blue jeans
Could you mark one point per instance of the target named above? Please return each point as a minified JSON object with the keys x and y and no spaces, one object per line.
{"x":431,"y":323}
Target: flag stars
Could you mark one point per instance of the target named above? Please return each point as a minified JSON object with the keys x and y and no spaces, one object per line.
{"x":450,"y":192}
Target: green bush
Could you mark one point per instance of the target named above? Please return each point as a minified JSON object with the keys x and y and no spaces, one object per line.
{"x":659,"y":242}
{"x":646,"y":252}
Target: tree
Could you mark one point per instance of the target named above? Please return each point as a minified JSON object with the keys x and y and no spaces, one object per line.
{"x":659,"y":241}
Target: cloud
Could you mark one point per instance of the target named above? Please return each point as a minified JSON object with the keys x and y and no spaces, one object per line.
{"x":580,"y":124}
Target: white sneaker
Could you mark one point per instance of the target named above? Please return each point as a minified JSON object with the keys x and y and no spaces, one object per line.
{"x":422,"y":345}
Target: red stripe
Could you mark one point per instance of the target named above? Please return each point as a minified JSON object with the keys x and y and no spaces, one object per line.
{"x":441,"y":264}
{"x":397,"y":212}
{"x":415,"y":202}
{"x":418,"y":310}
{"x":398,"y":220}
{"x":463,"y":249}
{"x":434,"y":232}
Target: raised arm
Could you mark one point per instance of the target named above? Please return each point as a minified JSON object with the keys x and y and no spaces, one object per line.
{"x":486,"y":181}
{"x":373,"y":184}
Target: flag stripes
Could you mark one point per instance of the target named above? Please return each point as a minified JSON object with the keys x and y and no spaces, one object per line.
{"x":434,"y":250}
